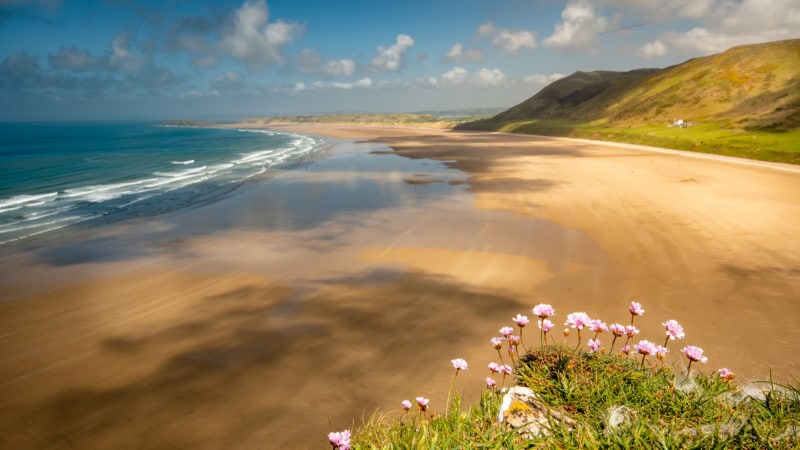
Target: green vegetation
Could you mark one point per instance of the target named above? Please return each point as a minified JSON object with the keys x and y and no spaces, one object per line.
{"x":617,"y":402}
{"x":707,"y":137}
{"x":568,"y":397}
{"x":745,"y":102}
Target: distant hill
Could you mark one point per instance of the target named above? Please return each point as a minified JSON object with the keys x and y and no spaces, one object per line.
{"x":748,"y":87}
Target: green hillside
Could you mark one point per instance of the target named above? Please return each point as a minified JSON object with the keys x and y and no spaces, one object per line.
{"x":743,"y":102}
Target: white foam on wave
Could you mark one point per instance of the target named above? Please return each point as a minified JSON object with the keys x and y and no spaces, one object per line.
{"x":20,"y":201}
{"x":40,"y":213}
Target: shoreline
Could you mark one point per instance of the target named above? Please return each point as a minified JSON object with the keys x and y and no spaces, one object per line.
{"x":346,"y":286}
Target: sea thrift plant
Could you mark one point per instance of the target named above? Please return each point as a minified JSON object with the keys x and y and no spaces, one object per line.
{"x":578,"y":320}
{"x":674,"y":331}
{"x":422,"y":403}
{"x":497,"y":344}
{"x":545,"y":325}
{"x":694,"y":354}
{"x":506,"y":331}
{"x":490,"y":383}
{"x":543,"y":311}
{"x":726,"y":374}
{"x":521,"y":321}
{"x":494,"y":367}
{"x":594,"y":344}
{"x":406,"y":405}
{"x":458,"y":364}
{"x":645,"y":348}
{"x":635,"y":310}
{"x":630,"y":331}
{"x":598,"y":326}
{"x":340,"y":440}
{"x":618,"y":330}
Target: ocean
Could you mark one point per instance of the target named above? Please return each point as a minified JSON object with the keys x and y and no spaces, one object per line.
{"x":58,"y":177}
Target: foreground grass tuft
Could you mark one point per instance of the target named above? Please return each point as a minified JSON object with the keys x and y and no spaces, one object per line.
{"x":567,"y":397}
{"x":617,"y":402}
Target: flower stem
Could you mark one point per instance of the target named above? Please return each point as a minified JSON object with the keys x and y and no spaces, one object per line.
{"x":611,"y":349}
{"x":450,"y":391}
{"x":689,"y":369}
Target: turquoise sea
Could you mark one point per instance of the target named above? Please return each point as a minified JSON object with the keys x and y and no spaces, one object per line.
{"x":56,"y":177}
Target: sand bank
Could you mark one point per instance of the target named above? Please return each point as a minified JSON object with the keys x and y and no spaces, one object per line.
{"x":270,"y":318}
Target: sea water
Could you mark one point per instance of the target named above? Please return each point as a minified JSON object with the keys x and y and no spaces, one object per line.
{"x":57,"y":177}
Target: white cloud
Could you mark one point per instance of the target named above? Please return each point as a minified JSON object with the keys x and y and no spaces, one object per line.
{"x":513,"y":40}
{"x":389,"y":59}
{"x":489,"y":77}
{"x":364,"y":82}
{"x":459,"y":76}
{"x":340,"y":67}
{"x":717,"y":24}
{"x":507,"y":39}
{"x":653,"y":49}
{"x":457,"y":54}
{"x":542,"y":79}
{"x":122,"y":56}
{"x":253,"y":40}
{"x":579,"y":29}
{"x":320,"y":85}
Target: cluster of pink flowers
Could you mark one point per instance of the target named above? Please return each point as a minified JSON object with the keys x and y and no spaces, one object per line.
{"x":340,"y":440}
{"x":578,"y":321}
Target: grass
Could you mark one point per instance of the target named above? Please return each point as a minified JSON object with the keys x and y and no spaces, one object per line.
{"x":657,"y":409}
{"x":706,"y":137}
{"x":623,"y":398}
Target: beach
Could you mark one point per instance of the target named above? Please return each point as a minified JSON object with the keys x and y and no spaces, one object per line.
{"x":304,"y":304}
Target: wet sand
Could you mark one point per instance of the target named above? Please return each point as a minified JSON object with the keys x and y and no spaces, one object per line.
{"x":300,"y":305}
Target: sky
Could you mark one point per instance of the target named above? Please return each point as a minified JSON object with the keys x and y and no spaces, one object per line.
{"x":162,"y":59}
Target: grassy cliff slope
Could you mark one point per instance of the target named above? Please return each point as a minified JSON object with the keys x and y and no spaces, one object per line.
{"x":744,"y":101}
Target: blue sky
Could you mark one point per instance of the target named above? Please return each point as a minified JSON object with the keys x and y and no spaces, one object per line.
{"x":120,"y":59}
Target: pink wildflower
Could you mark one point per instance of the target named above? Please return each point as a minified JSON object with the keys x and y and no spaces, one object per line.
{"x":422,"y":402}
{"x":645,"y":347}
{"x":406,"y":404}
{"x":578,"y":320}
{"x":674,"y":330}
{"x":631,"y":330}
{"x":506,"y":331}
{"x":520,"y":320}
{"x":490,"y":383}
{"x":546,"y":325}
{"x":494,"y":367}
{"x":626,"y":350}
{"x":459,"y":364}
{"x":594,"y":344}
{"x":543,"y":311}
{"x":618,"y":329}
{"x":694,"y":353}
{"x":726,"y":374}
{"x":340,"y":440}
{"x":636,"y":309}
{"x":513,"y":340}
{"x":661,"y":352}
{"x":497,"y":343}
{"x":598,"y":326}
{"x":505,"y":368}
